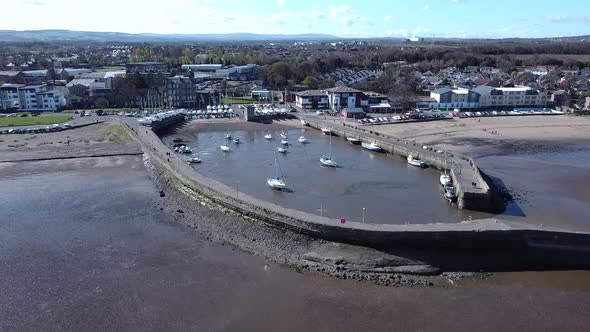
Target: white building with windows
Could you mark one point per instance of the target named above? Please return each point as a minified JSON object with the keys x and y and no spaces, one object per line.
{"x":28,"y":96}
{"x":51,"y":100}
{"x":9,"y":97}
{"x":487,"y":97}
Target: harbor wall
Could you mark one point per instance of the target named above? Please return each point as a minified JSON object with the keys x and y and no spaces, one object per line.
{"x":473,"y":191}
{"x":481,"y":234}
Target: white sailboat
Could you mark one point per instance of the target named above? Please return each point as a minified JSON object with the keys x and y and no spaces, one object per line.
{"x":281,"y":150}
{"x":327,"y":160}
{"x":276,"y":182}
{"x":237,"y":141}
{"x":193,"y":160}
{"x":228,"y":135}
{"x":284,"y":142}
{"x":302,"y":140}
{"x":284,"y":135}
{"x":371,"y":146}
{"x":445,"y":179}
{"x":353,"y":139}
{"x":268,"y":136}
{"x":415,"y":161}
{"x":224,"y":148}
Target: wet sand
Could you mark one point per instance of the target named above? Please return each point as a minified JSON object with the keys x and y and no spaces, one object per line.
{"x":95,"y":252}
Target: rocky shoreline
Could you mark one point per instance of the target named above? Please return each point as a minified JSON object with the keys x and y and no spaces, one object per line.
{"x":284,"y":246}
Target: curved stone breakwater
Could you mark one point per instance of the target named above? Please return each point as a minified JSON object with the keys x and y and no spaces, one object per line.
{"x":482,"y":234}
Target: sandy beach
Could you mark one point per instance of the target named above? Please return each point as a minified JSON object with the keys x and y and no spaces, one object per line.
{"x":495,"y":135}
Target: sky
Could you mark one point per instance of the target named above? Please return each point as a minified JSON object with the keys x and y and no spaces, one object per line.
{"x":348,"y":18}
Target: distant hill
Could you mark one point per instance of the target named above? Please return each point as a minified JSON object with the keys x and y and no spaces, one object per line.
{"x":67,"y":35}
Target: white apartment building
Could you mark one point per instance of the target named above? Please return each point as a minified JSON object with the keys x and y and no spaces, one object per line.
{"x":453,"y":98}
{"x":9,"y":97}
{"x":28,"y":96}
{"x":483,"y":97}
{"x":51,"y":100}
{"x":520,"y":96}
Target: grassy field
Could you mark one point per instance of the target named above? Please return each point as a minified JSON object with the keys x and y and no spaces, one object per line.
{"x":238,"y":101}
{"x":33,"y":121}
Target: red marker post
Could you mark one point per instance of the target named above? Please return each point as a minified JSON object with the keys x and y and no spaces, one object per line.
{"x":343,"y":220}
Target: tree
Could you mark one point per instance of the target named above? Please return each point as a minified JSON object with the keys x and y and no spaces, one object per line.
{"x":327,"y":84}
{"x":281,"y":73}
{"x":310,"y":82}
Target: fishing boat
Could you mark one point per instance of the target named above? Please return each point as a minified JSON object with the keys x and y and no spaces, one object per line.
{"x":284,"y":135}
{"x":276,"y":182}
{"x":237,"y":141}
{"x":305,"y":123}
{"x":327,"y":160}
{"x":224,"y":148}
{"x":284,"y":142}
{"x":193,"y":160}
{"x":281,"y":150}
{"x":302,"y":139}
{"x":371,"y":146}
{"x":326,"y":131}
{"x":415,"y":161}
{"x":268,"y":136}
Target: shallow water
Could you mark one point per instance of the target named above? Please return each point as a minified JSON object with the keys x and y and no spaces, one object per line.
{"x":389,"y":190}
{"x":550,"y":188}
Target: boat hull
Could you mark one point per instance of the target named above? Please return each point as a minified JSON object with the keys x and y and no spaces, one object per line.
{"x":371,"y":147}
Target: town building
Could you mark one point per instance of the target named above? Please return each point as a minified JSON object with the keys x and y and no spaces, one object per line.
{"x":311,"y":99}
{"x":344,"y":97}
{"x":446,"y":98}
{"x":50,"y":100}
{"x":520,"y":96}
{"x":28,"y":96}
{"x":182,"y":92}
{"x":9,"y":96}
{"x":147,"y":67}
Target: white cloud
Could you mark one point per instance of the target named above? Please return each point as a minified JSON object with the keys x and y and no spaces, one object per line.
{"x":426,"y":7}
{"x":281,"y":2}
{"x":388,"y":18}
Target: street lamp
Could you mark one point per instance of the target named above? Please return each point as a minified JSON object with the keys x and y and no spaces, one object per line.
{"x":363,"y":215}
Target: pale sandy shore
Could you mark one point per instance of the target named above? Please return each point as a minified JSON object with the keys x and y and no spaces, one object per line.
{"x":495,"y":135}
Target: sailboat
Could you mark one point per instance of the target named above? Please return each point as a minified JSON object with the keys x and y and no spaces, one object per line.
{"x":445,"y":179}
{"x":281,"y":150}
{"x":228,"y":135}
{"x":237,"y":141}
{"x":284,"y":142}
{"x":276,"y":182}
{"x":268,"y":136}
{"x":224,"y":148}
{"x":353,"y":139}
{"x":327,"y":160}
{"x":284,"y":135}
{"x":302,"y":140}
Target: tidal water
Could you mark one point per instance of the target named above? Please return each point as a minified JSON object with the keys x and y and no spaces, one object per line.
{"x":388,"y":189}
{"x":551,"y":188}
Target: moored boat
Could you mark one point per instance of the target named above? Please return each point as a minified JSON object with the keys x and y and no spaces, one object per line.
{"x":326,"y":131}
{"x":353,"y":139}
{"x":224,"y":148}
{"x":372,"y":146}
{"x":302,"y":139}
{"x":445,"y":179}
{"x":305,"y":123}
{"x":415,"y":161}
{"x":193,"y":160}
{"x":284,"y":142}
{"x":282,"y":150}
{"x":268,"y":136}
